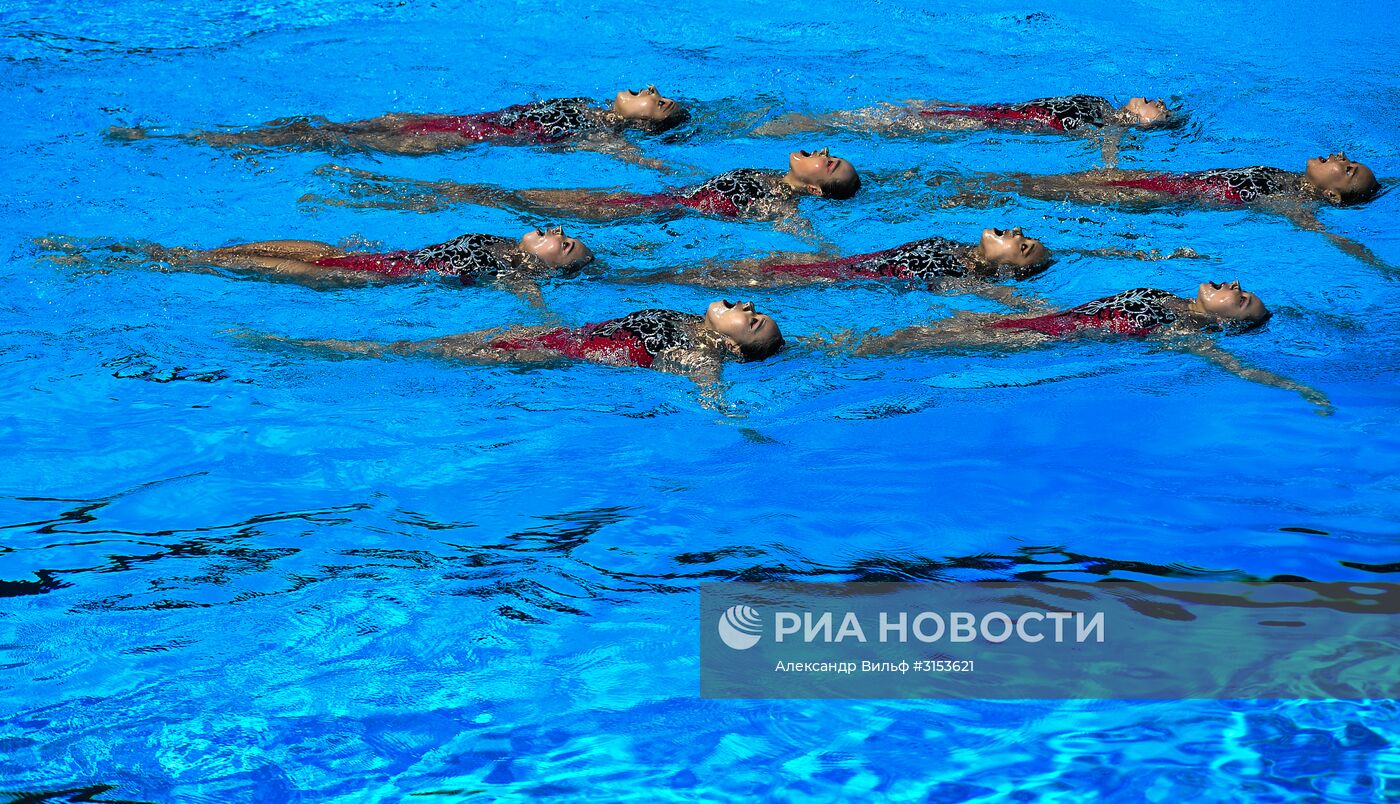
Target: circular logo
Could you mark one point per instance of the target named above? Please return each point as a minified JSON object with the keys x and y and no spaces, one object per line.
{"x":740,"y":627}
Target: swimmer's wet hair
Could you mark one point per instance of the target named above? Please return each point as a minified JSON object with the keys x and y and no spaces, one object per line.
{"x":1238,"y":327}
{"x":1029,"y":271}
{"x":1362,"y":196}
{"x":752,"y":353}
{"x":841,"y":189}
{"x":1176,"y":118}
{"x":679,"y":114}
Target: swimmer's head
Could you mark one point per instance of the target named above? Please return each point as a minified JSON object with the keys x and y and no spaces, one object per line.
{"x":820,"y":173}
{"x":556,"y":249}
{"x":1026,"y":256}
{"x":1340,"y":180}
{"x":747,"y":333}
{"x":649,"y":109}
{"x":1234,"y":307}
{"x":1147,"y":113}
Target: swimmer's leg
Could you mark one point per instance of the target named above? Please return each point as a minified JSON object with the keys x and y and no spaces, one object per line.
{"x":961,"y":332}
{"x":468,"y":347}
{"x":366,"y":190}
{"x":1090,"y":187}
{"x":294,"y":132}
{"x":275,"y":260}
{"x":303,"y":250}
{"x":794,"y":123}
{"x":593,"y":205}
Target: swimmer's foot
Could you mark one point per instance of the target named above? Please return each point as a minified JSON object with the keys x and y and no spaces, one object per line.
{"x":1186,"y":254}
{"x":121,"y":134}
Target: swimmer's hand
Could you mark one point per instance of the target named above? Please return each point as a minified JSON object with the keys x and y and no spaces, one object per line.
{"x":1150,"y":255}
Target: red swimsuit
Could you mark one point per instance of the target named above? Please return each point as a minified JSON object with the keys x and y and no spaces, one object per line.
{"x":542,"y":122}
{"x":633,"y":340}
{"x":732,"y":194}
{"x":1056,"y":114}
{"x":930,"y":259}
{"x":471,"y":257}
{"x":1226,"y":185}
{"x":1140,"y":311}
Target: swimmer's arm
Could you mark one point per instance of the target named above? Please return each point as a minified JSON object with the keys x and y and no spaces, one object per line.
{"x":800,"y":227}
{"x":1212,"y":353}
{"x":1151,"y":255}
{"x":527,"y":290}
{"x":1307,"y":220}
{"x":702,"y":368}
{"x":1109,"y":141}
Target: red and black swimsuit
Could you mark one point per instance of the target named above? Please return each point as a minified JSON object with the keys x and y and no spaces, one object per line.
{"x":542,"y":122}
{"x":930,"y":259}
{"x":1141,"y":311}
{"x":471,"y":257}
{"x":732,"y":194}
{"x":1068,"y":113}
{"x":1225,"y":185}
{"x":633,"y":340}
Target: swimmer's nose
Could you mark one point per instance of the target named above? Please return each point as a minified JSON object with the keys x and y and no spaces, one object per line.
{"x":1016,"y":232}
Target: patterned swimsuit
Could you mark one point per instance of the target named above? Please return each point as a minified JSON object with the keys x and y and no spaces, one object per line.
{"x":472,"y":257}
{"x":1226,"y":185}
{"x":732,"y":194}
{"x":1069,"y":113}
{"x":930,"y":259}
{"x":542,"y":122}
{"x":633,"y":340}
{"x":1141,"y":311}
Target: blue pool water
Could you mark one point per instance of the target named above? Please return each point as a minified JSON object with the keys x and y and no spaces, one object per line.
{"x":234,"y":573}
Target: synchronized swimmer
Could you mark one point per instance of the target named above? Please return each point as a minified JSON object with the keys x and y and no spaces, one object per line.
{"x":1176,"y":322}
{"x":744,"y":193}
{"x":665,"y":340}
{"x":577,"y":122}
{"x":933,"y":262}
{"x":1333,"y":180}
{"x":1083,"y":115}
{"x":466,"y":260}
{"x":1065,"y":114}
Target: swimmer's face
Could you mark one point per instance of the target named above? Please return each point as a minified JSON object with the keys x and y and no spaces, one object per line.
{"x":1341,"y":180}
{"x":1147,"y":112}
{"x":745,"y":330}
{"x":1012,"y":247}
{"x":819,"y":169}
{"x":644,"y":105}
{"x":1229,"y":301}
{"x":555,"y":249}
